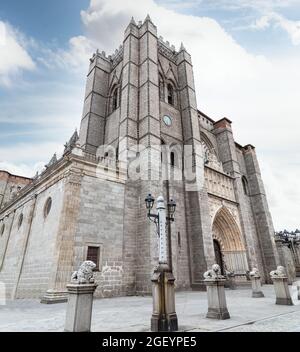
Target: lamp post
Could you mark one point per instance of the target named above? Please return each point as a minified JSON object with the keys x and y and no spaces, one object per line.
{"x":164,"y":317}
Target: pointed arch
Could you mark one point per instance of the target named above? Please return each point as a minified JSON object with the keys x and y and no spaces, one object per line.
{"x":115,"y":80}
{"x":245,"y":186}
{"x":206,"y":141}
{"x":114,"y":98}
{"x":170,"y":76}
{"x":226,"y":231}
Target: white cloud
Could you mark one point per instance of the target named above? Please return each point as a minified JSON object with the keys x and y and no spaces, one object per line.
{"x":22,"y":169}
{"x":22,"y":157}
{"x":292,"y":28}
{"x":13,"y":55}
{"x":259,"y":5}
{"x":75,"y":57}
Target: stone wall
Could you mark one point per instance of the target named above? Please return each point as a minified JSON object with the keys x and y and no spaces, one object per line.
{"x":27,"y":248}
{"x":10,"y":186}
{"x":100,"y":223}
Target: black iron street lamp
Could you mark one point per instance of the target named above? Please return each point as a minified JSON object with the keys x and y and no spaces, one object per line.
{"x":149,"y":200}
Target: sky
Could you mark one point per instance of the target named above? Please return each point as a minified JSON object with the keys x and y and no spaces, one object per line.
{"x":245,"y":53}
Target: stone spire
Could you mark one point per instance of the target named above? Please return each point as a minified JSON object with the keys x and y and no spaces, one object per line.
{"x":148,"y":19}
{"x":133,"y":21}
{"x":52,"y":161}
{"x":182,"y":48}
{"x":72,"y":142}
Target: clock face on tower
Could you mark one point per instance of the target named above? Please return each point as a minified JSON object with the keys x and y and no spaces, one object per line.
{"x":167,"y":120}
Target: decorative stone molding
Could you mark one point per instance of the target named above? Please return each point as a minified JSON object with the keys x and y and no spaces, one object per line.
{"x":166,"y":50}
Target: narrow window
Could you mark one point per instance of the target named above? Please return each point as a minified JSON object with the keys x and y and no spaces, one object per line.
{"x":115,"y":100}
{"x":172,"y":159}
{"x":93,"y":255}
{"x":2,"y":229}
{"x":20,"y":221}
{"x":162,"y":151}
{"x":47,"y":207}
{"x":170,"y":94}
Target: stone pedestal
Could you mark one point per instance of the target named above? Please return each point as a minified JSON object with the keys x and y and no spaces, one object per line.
{"x":282,"y":291}
{"x":79,"y":310}
{"x":164,"y":317}
{"x":256,"y":286}
{"x":217,"y":307}
{"x":52,"y":296}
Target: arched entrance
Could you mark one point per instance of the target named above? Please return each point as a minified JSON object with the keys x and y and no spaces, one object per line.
{"x":229,"y":248}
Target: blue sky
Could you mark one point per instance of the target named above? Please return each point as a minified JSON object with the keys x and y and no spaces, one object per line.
{"x":246,"y":62}
{"x":52,"y":21}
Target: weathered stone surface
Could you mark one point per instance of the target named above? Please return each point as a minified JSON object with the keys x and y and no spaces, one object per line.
{"x":215,"y":286}
{"x":280,"y":281}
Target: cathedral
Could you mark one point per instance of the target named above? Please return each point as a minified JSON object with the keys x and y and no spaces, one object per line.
{"x":141,"y":132}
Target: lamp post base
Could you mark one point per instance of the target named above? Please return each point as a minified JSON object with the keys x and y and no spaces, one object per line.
{"x":164,"y":317}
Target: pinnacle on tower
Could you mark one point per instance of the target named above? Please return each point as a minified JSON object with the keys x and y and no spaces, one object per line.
{"x":148,"y":19}
{"x":132,"y":21}
{"x":182,"y":48}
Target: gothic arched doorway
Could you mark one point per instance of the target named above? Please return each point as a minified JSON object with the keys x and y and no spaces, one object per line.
{"x":229,"y":248}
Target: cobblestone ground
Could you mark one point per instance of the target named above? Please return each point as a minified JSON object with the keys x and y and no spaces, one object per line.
{"x":133,"y":313}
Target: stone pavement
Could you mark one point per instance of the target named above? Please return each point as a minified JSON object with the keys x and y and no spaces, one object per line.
{"x":134,"y":313}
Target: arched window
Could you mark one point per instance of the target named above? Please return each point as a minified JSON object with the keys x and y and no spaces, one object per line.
{"x":47,"y":207}
{"x":170,"y":94}
{"x":115,"y":99}
{"x":245,"y":185}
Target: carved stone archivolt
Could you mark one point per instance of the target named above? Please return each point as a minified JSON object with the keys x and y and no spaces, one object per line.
{"x":226,"y":230}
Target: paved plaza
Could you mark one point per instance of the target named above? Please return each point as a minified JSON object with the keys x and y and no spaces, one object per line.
{"x":134,"y":313}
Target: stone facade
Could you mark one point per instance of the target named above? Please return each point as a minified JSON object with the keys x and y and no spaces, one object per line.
{"x":143,"y":95}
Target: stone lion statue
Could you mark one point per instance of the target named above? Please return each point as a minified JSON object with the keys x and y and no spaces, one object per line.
{"x":279,"y":272}
{"x":213,"y":273}
{"x":254,"y":272}
{"x":84,"y":275}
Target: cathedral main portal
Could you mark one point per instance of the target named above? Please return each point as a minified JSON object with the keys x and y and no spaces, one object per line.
{"x":229,"y":249}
